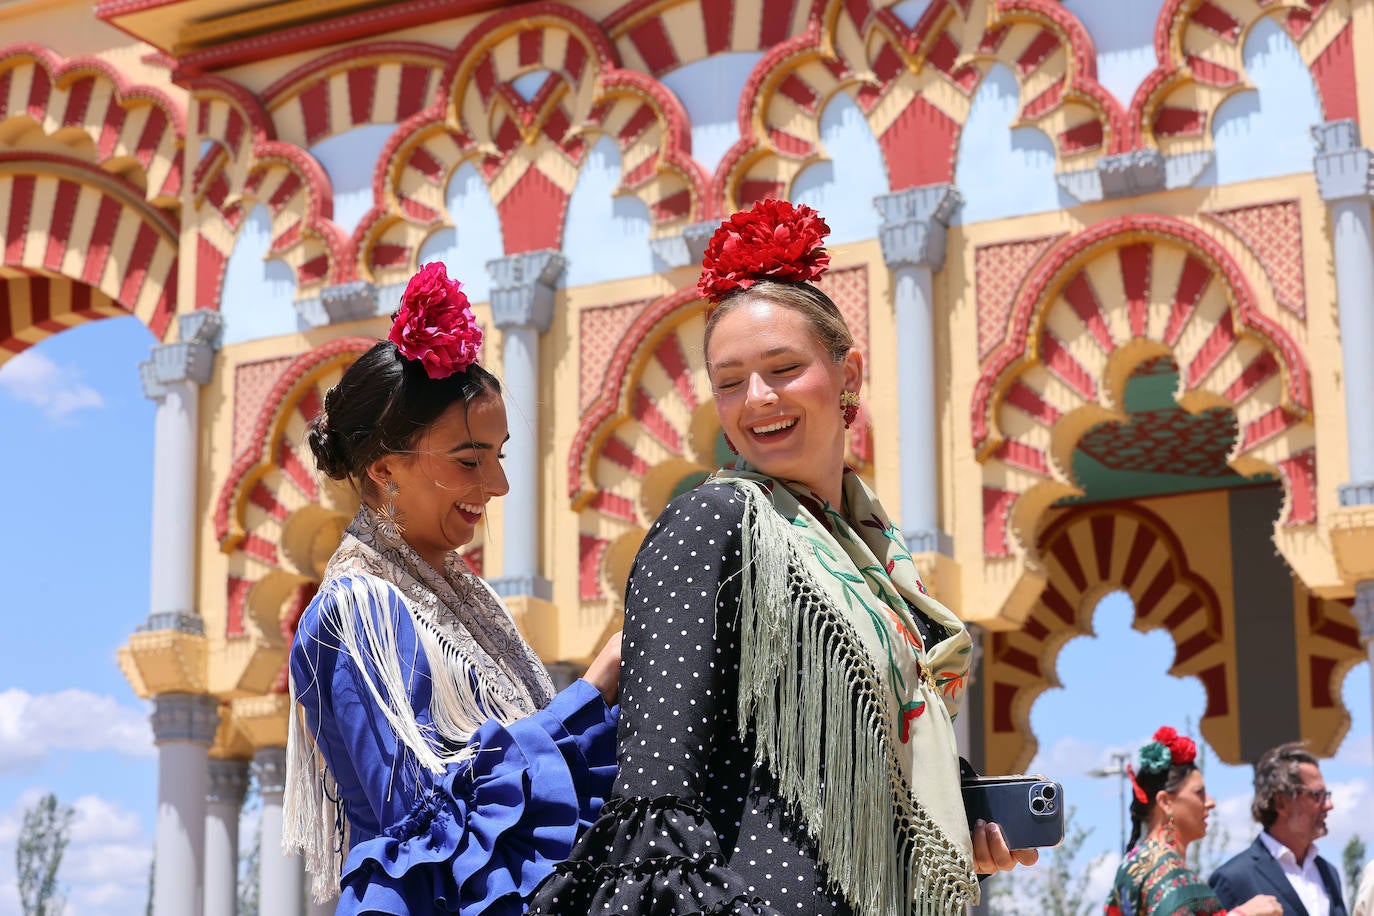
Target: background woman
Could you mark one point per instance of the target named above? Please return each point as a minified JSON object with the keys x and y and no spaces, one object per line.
{"x":432,"y":752}
{"x":786,"y":744}
{"x":1168,"y":812}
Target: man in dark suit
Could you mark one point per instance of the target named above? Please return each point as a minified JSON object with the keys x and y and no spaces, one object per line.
{"x":1291,"y":802}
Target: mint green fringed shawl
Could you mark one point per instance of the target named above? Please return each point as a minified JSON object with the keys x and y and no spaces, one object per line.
{"x":852,"y":713}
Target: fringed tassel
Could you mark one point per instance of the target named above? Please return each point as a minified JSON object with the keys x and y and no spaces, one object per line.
{"x":825,"y":739}
{"x":311,"y":821}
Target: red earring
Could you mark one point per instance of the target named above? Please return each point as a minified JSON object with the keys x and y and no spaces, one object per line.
{"x":849,"y":406}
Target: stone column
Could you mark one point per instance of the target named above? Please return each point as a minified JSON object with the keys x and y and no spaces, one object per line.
{"x":228,"y":781}
{"x":522,"y":295}
{"x":183,"y":728}
{"x":913,"y":240}
{"x":166,"y":655}
{"x":281,"y":887}
{"x":172,"y":377}
{"x":1343,"y":170}
{"x":1343,"y":177}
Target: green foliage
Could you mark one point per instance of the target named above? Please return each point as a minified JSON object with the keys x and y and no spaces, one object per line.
{"x":250,"y":862}
{"x":1352,"y":861}
{"x":38,"y":856}
{"x":1057,"y":886}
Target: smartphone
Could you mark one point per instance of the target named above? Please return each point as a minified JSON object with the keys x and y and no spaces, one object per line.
{"x":1029,"y":809}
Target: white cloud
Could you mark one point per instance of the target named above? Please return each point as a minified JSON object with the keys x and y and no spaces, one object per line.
{"x":34,"y":725}
{"x":58,"y":391}
{"x":104,"y":870}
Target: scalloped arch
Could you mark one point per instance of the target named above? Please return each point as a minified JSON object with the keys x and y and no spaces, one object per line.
{"x":528,"y":151}
{"x":126,"y":124}
{"x":245,"y":163}
{"x":119,"y":257}
{"x":1088,"y":553}
{"x":916,"y":82}
{"x":1199,"y":46}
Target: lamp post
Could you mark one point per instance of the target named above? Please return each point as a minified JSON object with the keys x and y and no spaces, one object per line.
{"x":1117,"y":768}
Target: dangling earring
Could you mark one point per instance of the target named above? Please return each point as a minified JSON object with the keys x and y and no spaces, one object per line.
{"x":730,"y":445}
{"x":849,"y":406}
{"x":390,"y":520}
{"x":1171,"y":833}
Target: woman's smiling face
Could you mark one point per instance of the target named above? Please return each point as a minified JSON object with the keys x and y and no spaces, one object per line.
{"x":444,"y":484}
{"x":777,"y":392}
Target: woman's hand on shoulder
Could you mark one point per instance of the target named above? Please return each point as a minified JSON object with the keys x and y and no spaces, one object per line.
{"x":990,"y":852}
{"x":604,"y":671}
{"x":1259,"y":905}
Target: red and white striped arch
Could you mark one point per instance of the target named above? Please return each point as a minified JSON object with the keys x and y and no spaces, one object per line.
{"x":915,"y":86}
{"x":384,"y":82}
{"x":529,"y":151}
{"x":132,"y":131}
{"x":64,"y":219}
{"x":1096,"y":306}
{"x":244,"y":164}
{"x":1199,"y":46}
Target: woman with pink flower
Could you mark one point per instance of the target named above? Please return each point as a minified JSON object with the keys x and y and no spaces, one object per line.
{"x":786,"y":741}
{"x":431,"y":766}
{"x":1169,"y":810}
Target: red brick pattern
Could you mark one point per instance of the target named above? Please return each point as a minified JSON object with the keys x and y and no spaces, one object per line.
{"x":998,"y":271}
{"x":1273,"y":232}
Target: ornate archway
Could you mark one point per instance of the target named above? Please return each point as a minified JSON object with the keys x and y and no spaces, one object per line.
{"x":1096,"y":307}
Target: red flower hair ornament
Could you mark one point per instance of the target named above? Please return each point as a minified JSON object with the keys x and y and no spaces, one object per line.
{"x":772,"y":240}
{"x":435,"y":324}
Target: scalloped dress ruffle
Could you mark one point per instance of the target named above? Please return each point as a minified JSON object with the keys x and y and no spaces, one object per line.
{"x":485,"y":835}
{"x":678,"y":871}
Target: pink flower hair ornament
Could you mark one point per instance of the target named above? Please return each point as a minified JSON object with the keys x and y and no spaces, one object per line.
{"x":772,"y":240}
{"x":435,"y":324}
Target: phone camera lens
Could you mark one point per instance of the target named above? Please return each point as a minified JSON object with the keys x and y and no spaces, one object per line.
{"x":1048,"y":792}
{"x":1038,"y":805}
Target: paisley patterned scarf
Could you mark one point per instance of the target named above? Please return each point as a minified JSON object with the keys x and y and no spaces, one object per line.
{"x":851,"y":707}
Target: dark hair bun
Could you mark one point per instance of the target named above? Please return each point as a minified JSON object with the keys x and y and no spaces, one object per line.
{"x":329,"y":449}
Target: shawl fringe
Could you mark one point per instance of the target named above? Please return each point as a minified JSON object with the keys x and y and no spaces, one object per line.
{"x":810,"y":692}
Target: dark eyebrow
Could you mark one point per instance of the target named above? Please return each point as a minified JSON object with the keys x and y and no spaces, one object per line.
{"x":474,"y":444}
{"x":766,"y":354}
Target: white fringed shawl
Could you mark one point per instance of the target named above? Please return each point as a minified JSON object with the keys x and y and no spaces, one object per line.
{"x":480,"y":665}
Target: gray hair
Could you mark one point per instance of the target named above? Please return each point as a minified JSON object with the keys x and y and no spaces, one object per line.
{"x":1277,"y":774}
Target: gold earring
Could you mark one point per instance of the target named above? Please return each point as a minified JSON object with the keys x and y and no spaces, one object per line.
{"x":390,"y":520}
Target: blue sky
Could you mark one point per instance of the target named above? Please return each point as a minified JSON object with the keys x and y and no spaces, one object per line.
{"x":76,"y":546}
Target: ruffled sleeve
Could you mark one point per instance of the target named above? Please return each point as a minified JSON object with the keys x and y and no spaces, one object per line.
{"x":475,"y":838}
{"x":655,"y":849}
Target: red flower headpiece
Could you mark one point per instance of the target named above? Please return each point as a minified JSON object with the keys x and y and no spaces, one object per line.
{"x":773,"y":240}
{"x":435,"y":324}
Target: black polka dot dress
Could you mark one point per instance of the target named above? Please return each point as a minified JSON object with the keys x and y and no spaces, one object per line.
{"x":694,"y":825}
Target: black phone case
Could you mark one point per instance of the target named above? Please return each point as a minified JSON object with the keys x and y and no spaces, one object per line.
{"x":1028,"y":809}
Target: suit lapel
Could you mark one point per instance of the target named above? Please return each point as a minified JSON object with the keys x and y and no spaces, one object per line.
{"x":1333,"y":886}
{"x":1272,"y":873}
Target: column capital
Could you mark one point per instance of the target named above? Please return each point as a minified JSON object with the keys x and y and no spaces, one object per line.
{"x":1343,"y":166}
{"x":522,"y":288}
{"x":513,"y":586}
{"x":269,"y":769}
{"x":228,"y":781}
{"x":1129,"y":174}
{"x":339,"y":304}
{"x":685,"y":248}
{"x":1359,"y":493}
{"x":912,"y":232}
{"x":191,"y":358}
{"x":185,"y":717}
{"x":929,"y":542}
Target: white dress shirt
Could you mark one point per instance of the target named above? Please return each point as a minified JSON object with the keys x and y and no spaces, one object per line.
{"x":1304,"y":876}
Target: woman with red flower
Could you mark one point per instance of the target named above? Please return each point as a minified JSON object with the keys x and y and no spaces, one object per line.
{"x":1169,"y":811}
{"x":785,"y":745}
{"x":431,"y":766}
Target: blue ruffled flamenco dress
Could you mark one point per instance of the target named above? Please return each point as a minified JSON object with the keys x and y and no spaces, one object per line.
{"x":475,"y":839}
